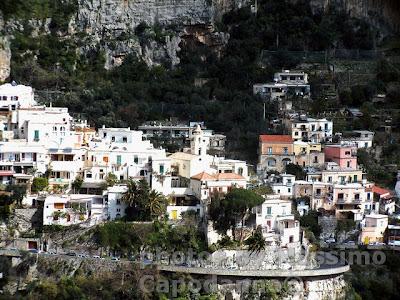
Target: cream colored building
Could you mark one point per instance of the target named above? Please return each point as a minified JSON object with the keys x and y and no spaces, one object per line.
{"x":374,"y":229}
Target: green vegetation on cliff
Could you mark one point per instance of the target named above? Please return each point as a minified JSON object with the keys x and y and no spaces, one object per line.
{"x":133,"y":93}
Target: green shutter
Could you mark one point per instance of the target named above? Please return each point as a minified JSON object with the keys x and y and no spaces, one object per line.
{"x":119,"y":160}
{"x":36,"y":137}
{"x":161,"y":169}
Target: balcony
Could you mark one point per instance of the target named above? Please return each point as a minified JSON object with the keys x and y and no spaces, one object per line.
{"x":65,"y":165}
{"x":59,"y":181}
{"x":348,"y":200}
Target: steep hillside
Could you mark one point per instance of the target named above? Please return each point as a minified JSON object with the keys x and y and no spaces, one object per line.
{"x":384,"y":14}
{"x":77,"y":54}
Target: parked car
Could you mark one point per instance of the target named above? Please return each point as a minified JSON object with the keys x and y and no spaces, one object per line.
{"x":96,"y":256}
{"x":34,"y":251}
{"x":330,"y":241}
{"x":115,"y":258}
{"x":71,"y":254}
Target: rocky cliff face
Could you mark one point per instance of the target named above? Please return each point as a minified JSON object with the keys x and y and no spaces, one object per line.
{"x":113,"y":22}
{"x":5,"y":53}
{"x":110,"y":26}
{"x":384,"y":14}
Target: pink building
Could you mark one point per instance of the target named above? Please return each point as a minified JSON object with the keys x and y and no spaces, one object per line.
{"x":344,"y":156}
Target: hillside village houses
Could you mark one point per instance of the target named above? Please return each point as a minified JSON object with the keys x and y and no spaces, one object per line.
{"x":46,"y":141}
{"x":39,"y":140}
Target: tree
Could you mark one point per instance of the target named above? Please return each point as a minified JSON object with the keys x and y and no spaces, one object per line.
{"x":77,"y":184}
{"x":111,"y":179}
{"x":296,"y":170}
{"x":233,"y":209}
{"x":310,"y":221}
{"x":256,"y":242}
{"x":39,"y":184}
{"x":143,"y":203}
{"x":263,"y":190}
{"x":157,"y":204}
{"x":18,"y":192}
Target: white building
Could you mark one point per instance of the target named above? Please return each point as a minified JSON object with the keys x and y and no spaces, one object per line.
{"x":44,"y":125}
{"x":275,"y":218}
{"x":14,"y":96}
{"x":72,"y":209}
{"x":362,"y":139}
{"x":197,"y":161}
{"x":115,"y":207}
{"x":124,"y":153}
{"x":282,"y":184}
{"x":309,"y":129}
{"x":21,"y":157}
{"x":286,"y":83}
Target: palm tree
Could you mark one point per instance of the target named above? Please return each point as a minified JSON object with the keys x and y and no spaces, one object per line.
{"x":130,"y":196}
{"x":256,"y":242}
{"x":156,"y":204}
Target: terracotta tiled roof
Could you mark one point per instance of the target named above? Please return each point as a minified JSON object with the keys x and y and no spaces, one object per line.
{"x":380,"y":191}
{"x":274,"y":138}
{"x":203,"y":176}
{"x":228,"y":176}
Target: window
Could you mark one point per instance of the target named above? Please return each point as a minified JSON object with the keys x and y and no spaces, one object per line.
{"x":289,"y":190}
{"x":4,"y":98}
{"x":355,"y":178}
{"x":296,"y":133}
{"x":340,"y":196}
{"x":318,"y":192}
{"x":104,"y":134}
{"x":240,"y":171}
{"x":119,"y":160}
{"x":124,"y":139}
{"x":88,"y":175}
{"x":347,"y":153}
{"x":161,"y":169}
{"x":58,"y":205}
{"x":285,"y":150}
{"x":269,"y":150}
{"x":113,"y":138}
{"x":326,"y":127}
{"x":118,"y":201}
{"x":315,"y":159}
{"x":36,"y":135}
{"x":348,"y":164}
{"x":330,"y":179}
{"x":269,"y":210}
{"x":368,"y":196}
{"x":118,"y":210}
{"x":259,"y":210}
{"x":357,"y":196}
{"x":136,"y":159}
